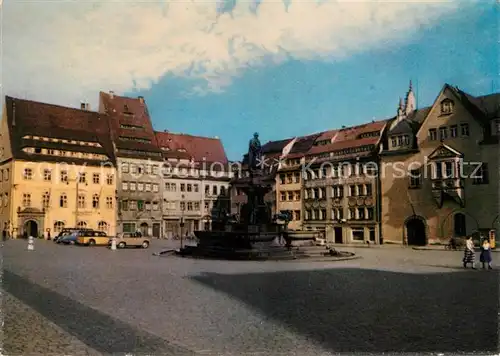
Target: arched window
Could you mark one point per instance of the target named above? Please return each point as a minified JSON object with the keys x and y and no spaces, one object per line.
{"x":95,"y":201}
{"x":58,"y":226}
{"x":102,"y":226}
{"x":81,"y":224}
{"x":63,"y":200}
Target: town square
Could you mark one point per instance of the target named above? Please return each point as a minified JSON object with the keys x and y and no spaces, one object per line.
{"x":249,"y":178}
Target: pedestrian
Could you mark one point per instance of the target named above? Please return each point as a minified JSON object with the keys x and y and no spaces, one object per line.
{"x":469,"y":253}
{"x":485,"y":257}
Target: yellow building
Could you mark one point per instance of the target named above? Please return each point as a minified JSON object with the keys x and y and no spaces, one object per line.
{"x":57,"y":169}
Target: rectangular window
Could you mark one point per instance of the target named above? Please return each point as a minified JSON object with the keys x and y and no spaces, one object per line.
{"x":132,"y":187}
{"x":283,"y":196}
{"x":183,"y":187}
{"x":352,"y":213}
{"x":156,"y":206}
{"x":148,"y":187}
{"x":415,"y":178}
{"x":196,"y":188}
{"x":109,"y":202}
{"x":47,"y":175}
{"x":129,"y":227}
{"x":453,"y":131}
{"x":481,"y":176}
{"x":81,"y":201}
{"x":109,"y":179}
{"x":189,"y":187}
{"x":28,"y":174}
{"x":140,"y":187}
{"x":432,"y":134}
{"x":124,"y":185}
{"x":26,"y":200}
{"x":361,"y":213}
{"x":464,"y":130}
{"x":125,"y":169}
{"x":443,"y":133}
{"x":64,"y":176}
{"x":82,"y":177}
{"x":358,"y":234}
{"x":156,"y":188}
{"x":96,"y":178}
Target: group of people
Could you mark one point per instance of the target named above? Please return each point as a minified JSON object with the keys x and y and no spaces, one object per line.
{"x":470,"y":253}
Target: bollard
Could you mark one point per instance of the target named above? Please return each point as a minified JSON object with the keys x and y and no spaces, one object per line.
{"x":113,"y":244}
{"x":31,"y":243}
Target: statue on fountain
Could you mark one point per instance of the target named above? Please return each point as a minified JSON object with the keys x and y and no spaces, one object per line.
{"x":254,"y":153}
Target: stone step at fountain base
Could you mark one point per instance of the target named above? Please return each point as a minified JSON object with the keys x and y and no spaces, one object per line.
{"x":267,"y":253}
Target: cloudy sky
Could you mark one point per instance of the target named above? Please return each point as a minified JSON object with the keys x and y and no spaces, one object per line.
{"x":229,"y":68}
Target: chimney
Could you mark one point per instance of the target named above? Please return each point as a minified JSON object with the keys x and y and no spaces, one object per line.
{"x":87,"y":106}
{"x":141,"y":99}
{"x":165,"y":130}
{"x":216,"y":137}
{"x":111,"y":94}
{"x":83,"y":106}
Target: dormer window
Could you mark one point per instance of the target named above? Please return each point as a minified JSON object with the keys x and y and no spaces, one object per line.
{"x":446,"y":107}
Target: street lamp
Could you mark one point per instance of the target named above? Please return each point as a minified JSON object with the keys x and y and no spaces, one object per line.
{"x":183,"y":207}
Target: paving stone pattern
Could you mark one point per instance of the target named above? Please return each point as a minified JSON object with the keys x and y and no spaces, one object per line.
{"x":129,"y":301}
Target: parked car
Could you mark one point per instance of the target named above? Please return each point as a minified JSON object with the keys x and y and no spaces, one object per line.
{"x":130,"y":240}
{"x":68,"y":231}
{"x":92,"y":238}
{"x":68,"y":239}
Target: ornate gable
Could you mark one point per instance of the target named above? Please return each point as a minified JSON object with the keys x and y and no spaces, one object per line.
{"x":445,"y":151}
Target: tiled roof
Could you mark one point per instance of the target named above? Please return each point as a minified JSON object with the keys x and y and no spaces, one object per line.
{"x":275,"y":146}
{"x":351,"y":137}
{"x":130,"y":123}
{"x":31,"y":118}
{"x":303,"y":144}
{"x":198,"y":148}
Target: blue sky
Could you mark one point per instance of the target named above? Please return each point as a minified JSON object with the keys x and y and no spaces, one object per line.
{"x":228,"y":70}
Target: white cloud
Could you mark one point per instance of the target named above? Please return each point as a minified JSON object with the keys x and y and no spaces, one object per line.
{"x":63,"y":51}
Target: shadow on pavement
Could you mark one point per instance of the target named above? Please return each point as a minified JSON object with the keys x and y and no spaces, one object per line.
{"x":97,"y":330}
{"x":353,"y":310}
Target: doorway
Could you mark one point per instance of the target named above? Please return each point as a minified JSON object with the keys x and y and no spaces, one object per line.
{"x":144,"y":229}
{"x":31,"y":228}
{"x":459,"y":226}
{"x":156,"y":230}
{"x":337,"y":231}
{"x":415,"y":229}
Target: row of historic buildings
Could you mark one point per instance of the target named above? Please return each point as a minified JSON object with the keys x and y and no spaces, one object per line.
{"x":107,"y":170}
{"x":424,"y":175}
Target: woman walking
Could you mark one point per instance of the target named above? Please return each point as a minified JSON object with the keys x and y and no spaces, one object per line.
{"x":469,"y":253}
{"x":485,"y":257}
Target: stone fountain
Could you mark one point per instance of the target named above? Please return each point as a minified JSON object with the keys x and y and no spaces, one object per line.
{"x":255,"y":233}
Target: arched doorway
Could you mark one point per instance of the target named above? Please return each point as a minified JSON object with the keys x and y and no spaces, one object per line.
{"x":415,"y":231}
{"x":31,"y":228}
{"x":459,"y":225}
{"x":144,"y":229}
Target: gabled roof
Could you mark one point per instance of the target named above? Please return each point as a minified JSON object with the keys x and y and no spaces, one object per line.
{"x":197,"y":148}
{"x":130,"y":125}
{"x":32,"y":118}
{"x":412,"y":123}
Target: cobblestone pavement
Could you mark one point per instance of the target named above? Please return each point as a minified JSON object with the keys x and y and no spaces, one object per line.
{"x":129,"y":301}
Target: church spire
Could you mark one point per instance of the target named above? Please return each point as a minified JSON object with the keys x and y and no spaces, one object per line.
{"x":411,"y":103}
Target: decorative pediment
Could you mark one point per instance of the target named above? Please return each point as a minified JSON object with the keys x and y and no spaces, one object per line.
{"x":445,"y":151}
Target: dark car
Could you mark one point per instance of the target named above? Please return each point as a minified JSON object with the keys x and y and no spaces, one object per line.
{"x":68,"y":231}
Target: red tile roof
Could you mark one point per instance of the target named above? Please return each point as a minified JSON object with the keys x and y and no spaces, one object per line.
{"x":351,"y":137}
{"x":31,"y":118}
{"x":131,"y":125}
{"x":198,"y":148}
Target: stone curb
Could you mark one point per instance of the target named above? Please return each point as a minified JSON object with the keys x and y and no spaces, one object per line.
{"x":441,"y":248}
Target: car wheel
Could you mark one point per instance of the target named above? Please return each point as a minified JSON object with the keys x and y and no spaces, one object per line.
{"x":121,"y":245}
{"x":92,"y":242}
{"x":145,"y":244}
